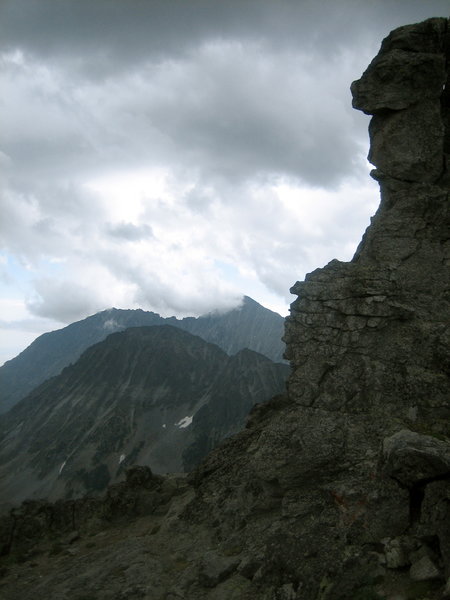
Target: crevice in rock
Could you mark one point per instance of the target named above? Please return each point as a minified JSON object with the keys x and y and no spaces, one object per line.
{"x":433,"y":543}
{"x":6,"y":548}
{"x":417,"y":495}
{"x":445,"y":110}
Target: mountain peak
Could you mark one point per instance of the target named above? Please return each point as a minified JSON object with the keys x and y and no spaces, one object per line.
{"x":256,"y":327}
{"x":156,"y":395}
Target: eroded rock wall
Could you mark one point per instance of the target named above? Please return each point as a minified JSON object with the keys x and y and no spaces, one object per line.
{"x":312,"y":484}
{"x":372,"y":334}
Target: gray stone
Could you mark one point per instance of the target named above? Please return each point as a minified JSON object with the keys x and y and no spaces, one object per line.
{"x":249,"y":566}
{"x":422,"y":551}
{"x":397,"y":552}
{"x":424,"y":569}
{"x":286,"y":592}
{"x":402,"y":88}
{"x":72,"y":537}
{"x":446,"y":592}
{"x":411,"y":457}
{"x":416,"y":156}
{"x":398,"y":78}
{"x":215,"y":568}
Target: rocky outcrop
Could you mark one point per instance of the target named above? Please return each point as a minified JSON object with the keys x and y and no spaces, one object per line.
{"x":340,"y":489}
{"x":324,"y":492}
{"x":37,"y":523}
{"x":405,"y":90}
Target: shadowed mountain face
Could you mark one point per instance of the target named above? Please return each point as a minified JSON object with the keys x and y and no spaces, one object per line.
{"x":249,"y":377}
{"x":132,"y":398}
{"x":248,"y":326}
{"x":340,"y":488}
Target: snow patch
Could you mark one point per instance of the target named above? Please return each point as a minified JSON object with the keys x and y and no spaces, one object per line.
{"x":122,"y":458}
{"x":185,"y":422}
{"x":62,"y":467}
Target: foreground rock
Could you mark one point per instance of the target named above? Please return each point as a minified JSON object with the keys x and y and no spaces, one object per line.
{"x":339,"y":489}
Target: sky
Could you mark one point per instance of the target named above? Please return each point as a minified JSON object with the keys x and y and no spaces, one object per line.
{"x":174,"y":155}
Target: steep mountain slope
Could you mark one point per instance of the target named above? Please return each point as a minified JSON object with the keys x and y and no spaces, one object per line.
{"x":53,"y":351}
{"x":340,"y":489}
{"x":130,"y":398}
{"x":250,"y":377}
{"x":248,"y":326}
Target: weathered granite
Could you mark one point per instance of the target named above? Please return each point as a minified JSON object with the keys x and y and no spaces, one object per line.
{"x":412,"y":459}
{"x":402,"y":88}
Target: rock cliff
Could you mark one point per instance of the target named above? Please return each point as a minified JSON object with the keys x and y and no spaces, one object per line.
{"x":341,"y":488}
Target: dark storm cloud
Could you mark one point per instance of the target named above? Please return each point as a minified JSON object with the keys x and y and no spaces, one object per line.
{"x":226,"y":109}
{"x":113,"y":32}
{"x":236,"y":88}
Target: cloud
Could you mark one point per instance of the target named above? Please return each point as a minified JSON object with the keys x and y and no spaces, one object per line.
{"x":195,"y":111}
{"x":173,"y":155}
{"x":130,"y":232}
{"x":63,"y":300}
{"x":52,"y":221}
{"x":105,"y":36}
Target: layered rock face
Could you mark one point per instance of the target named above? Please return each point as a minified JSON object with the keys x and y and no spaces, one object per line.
{"x":372,"y":335}
{"x":341,"y":488}
{"x":368,"y":397}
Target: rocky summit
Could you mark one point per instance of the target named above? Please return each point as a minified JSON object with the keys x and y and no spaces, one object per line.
{"x":339,"y":489}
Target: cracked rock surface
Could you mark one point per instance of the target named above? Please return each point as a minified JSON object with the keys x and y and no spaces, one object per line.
{"x":340,"y":488}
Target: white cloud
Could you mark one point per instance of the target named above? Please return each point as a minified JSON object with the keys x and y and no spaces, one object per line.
{"x":17,"y":328}
{"x":173,"y":159}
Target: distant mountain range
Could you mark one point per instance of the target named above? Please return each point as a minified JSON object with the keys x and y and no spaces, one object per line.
{"x":248,"y":326}
{"x":154,"y":395}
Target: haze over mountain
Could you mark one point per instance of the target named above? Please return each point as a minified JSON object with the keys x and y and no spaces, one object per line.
{"x":247,"y":326}
{"x":132,"y":398}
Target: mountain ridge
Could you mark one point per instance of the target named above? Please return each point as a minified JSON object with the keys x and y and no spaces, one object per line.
{"x":249,"y":325}
{"x":129,"y":398}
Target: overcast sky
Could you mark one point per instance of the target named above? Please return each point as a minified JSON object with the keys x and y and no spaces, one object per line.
{"x":174,"y":155}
